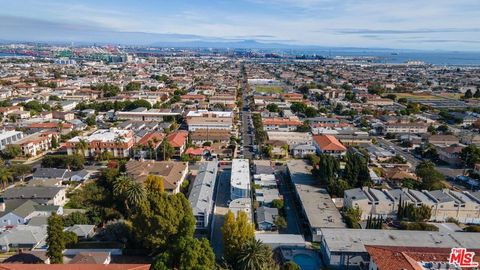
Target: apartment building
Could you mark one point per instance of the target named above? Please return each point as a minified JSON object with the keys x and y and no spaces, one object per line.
{"x":35,"y":144}
{"x":240,"y":179}
{"x":8,"y":137}
{"x":116,"y":141}
{"x":445,"y":203}
{"x":409,"y":128}
{"x":203,"y":119}
{"x":281,"y":124}
{"x":201,"y":194}
{"x":143,"y":114}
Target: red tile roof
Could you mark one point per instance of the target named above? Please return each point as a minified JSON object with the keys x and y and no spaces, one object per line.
{"x":281,"y":121}
{"x":151,"y":136}
{"x":177,"y":138}
{"x":51,"y":125}
{"x":328,"y":143}
{"x":407,"y":258}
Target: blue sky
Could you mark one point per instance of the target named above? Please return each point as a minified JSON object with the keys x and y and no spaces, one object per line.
{"x":417,"y":24}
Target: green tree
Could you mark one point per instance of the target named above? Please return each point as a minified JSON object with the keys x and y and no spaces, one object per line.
{"x":290,"y":265}
{"x":477,"y":94}
{"x":163,"y":219}
{"x":337,"y":188}
{"x":470,"y":155}
{"x":6,"y":176}
{"x":280,"y":222}
{"x":431,"y":178}
{"x":255,"y":255}
{"x":133,"y":86}
{"x":236,"y":232}
{"x":352,"y":217}
{"x":91,"y":121}
{"x":376,"y":89}
{"x":54,"y":142}
{"x":298,"y":107}
{"x":327,"y":168}
{"x":468,"y":94}
{"x":154,"y":184}
{"x":75,"y":218}
{"x":188,"y":253}
{"x":55,"y":239}
{"x":131,"y":191}
{"x":19,"y":171}
{"x":356,"y":169}
{"x":311,"y":112}
{"x":11,"y":151}
{"x":166,"y":150}
{"x":272,"y":107}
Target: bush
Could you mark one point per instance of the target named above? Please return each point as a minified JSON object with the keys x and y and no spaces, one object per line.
{"x":417,"y":226}
{"x":473,"y":228}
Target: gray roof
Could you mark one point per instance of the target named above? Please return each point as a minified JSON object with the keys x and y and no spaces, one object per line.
{"x":50,"y":173}
{"x":31,"y":192}
{"x":317,"y":204}
{"x":23,"y":235}
{"x":356,"y":194}
{"x":38,"y":221}
{"x":266,"y":214}
{"x":353,"y":240}
{"x":80,"y":230}
{"x":442,"y":196}
{"x":24,"y":209}
{"x":201,"y":195}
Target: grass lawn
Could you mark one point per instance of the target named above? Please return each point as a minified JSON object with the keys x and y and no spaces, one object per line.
{"x":416,"y":96}
{"x":268,"y":89}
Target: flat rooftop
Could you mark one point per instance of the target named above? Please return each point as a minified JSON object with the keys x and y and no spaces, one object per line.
{"x":240,"y":177}
{"x":316,"y":202}
{"x":354,"y":240}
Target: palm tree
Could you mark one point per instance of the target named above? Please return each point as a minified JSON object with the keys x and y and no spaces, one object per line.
{"x":156,"y":141}
{"x":81,"y":146}
{"x":5,"y":176}
{"x":150,"y":148}
{"x":132,"y":192}
{"x":255,"y":255}
{"x":135,"y":194}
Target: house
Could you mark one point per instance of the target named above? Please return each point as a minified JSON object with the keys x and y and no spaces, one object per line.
{"x":203,"y":119}
{"x":281,"y":124}
{"x":372,"y":202}
{"x":41,"y":195}
{"x":178,"y":140}
{"x":78,"y":176}
{"x":28,"y":257}
{"x":35,"y":144}
{"x":266,"y":218}
{"x":201,"y":136}
{"x":18,"y":212}
{"x":82,"y":231}
{"x":303,"y":150}
{"x":91,"y":258}
{"x":116,"y":141}
{"x":22,"y":237}
{"x":450,"y":154}
{"x":328,"y":144}
{"x":50,"y":173}
{"x":398,"y":174}
{"x":173,"y":172}
{"x":445,"y":140}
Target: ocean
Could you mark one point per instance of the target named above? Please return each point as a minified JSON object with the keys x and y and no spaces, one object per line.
{"x":439,"y":58}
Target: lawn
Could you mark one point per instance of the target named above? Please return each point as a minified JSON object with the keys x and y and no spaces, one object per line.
{"x":268,"y":89}
{"x":416,"y":96}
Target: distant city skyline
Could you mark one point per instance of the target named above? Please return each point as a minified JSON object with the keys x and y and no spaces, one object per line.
{"x":406,"y":24}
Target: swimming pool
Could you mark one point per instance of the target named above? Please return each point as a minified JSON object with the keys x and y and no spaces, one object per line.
{"x":306,"y":262}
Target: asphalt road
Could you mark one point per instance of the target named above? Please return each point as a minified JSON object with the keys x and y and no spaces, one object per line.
{"x":289,"y":202}
{"x":222,"y":195}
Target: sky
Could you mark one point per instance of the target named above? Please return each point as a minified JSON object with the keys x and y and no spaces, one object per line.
{"x":408,"y":24}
